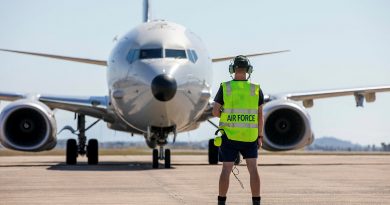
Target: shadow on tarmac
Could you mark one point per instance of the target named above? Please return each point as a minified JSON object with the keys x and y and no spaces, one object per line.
{"x":139,"y":166}
{"x":106,"y":166}
{"x":145,"y":166}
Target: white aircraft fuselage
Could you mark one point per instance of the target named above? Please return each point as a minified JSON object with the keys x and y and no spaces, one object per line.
{"x":156,"y":80}
{"x":159,"y":79}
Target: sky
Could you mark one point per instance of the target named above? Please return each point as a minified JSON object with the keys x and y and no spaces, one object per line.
{"x":334,"y":44}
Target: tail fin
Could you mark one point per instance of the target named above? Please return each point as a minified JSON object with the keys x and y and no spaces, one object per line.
{"x":147,"y":11}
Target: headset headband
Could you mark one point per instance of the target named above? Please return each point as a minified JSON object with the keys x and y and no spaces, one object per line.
{"x":240,"y":61}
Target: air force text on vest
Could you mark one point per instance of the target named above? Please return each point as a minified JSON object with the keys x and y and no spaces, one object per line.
{"x":241,"y":118}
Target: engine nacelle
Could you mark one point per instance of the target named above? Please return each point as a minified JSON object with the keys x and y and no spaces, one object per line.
{"x":286,"y":126}
{"x":28,"y":125}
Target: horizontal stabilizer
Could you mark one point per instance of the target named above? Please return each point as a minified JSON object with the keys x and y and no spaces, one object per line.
{"x":214,"y":60}
{"x":66,"y":58}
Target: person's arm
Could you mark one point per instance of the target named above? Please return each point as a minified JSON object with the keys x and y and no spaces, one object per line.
{"x":261,"y":125}
{"x":218,"y":102}
{"x":217,"y":109}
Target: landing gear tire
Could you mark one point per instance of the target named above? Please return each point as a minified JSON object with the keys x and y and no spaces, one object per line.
{"x":167,"y":158}
{"x":93,"y":151}
{"x":213,"y":152}
{"x":71,"y":152}
{"x":155,"y":159}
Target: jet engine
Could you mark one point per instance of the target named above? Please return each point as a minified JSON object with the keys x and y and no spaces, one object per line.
{"x":286,"y":126}
{"x":28,"y":125}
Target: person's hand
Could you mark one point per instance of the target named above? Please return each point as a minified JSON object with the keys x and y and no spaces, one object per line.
{"x":260,"y":141}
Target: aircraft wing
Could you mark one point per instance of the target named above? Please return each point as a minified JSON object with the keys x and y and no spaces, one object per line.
{"x":363,"y":93}
{"x":66,"y":58}
{"x":227,"y":58}
{"x":94,"y":106}
{"x":11,"y":96}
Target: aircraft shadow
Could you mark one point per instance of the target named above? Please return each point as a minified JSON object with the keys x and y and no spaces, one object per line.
{"x":106,"y":166}
{"x":146,"y":166}
{"x":291,"y":164}
{"x":323,"y":164}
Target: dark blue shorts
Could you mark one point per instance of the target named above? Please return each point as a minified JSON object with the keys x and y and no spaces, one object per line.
{"x":230,"y":148}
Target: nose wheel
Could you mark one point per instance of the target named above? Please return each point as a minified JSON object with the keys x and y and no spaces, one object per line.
{"x":161,"y":155}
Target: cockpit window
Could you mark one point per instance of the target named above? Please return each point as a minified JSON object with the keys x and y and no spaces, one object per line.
{"x":175,"y":53}
{"x":192,"y":55}
{"x":136,"y":54}
{"x":150,"y":53}
{"x":133,"y":55}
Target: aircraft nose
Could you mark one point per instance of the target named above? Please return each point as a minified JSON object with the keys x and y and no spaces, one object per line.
{"x":164,"y":87}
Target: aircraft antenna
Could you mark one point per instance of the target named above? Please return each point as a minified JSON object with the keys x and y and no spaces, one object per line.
{"x":147,"y":11}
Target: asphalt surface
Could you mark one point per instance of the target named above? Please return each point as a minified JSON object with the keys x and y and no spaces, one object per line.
{"x":285,"y":179}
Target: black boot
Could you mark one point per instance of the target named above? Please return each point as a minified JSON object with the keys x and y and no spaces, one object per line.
{"x":256,"y":200}
{"x":221,"y":200}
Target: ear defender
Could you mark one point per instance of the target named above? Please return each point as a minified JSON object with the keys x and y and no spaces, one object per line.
{"x":250,"y":69}
{"x":240,"y":60}
{"x":232,"y":67}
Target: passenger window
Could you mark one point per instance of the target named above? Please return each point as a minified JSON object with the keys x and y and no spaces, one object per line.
{"x":174,"y":53}
{"x":150,"y":53}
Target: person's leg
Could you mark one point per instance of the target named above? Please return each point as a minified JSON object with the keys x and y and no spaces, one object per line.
{"x":228,"y":153}
{"x":251,"y":163}
{"x":224,"y":178}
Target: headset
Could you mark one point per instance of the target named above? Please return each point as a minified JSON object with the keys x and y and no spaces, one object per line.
{"x":238,"y":61}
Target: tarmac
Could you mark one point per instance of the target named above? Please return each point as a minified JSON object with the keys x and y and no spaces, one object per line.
{"x":285,"y":179}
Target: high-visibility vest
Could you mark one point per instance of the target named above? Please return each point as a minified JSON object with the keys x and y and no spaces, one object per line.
{"x":239,"y":117}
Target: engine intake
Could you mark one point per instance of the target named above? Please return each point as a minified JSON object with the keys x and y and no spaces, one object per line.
{"x":28,"y":126}
{"x":286,"y":127}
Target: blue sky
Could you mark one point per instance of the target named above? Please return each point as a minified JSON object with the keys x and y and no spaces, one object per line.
{"x":334,"y":44}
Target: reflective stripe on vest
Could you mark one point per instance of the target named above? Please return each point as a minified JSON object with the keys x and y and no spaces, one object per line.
{"x":244,"y":111}
{"x":240,"y":125}
{"x":239,"y":117}
{"x":229,"y":89}
{"x":253,"y":89}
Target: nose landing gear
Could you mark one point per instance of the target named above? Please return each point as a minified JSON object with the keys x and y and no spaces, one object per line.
{"x":157,"y":136}
{"x":162,"y":155}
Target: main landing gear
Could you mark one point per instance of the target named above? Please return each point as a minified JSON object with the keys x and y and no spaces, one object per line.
{"x":166,"y":156}
{"x":74,"y":148}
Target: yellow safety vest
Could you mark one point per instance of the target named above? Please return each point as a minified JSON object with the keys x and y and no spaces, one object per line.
{"x":239,"y":117}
